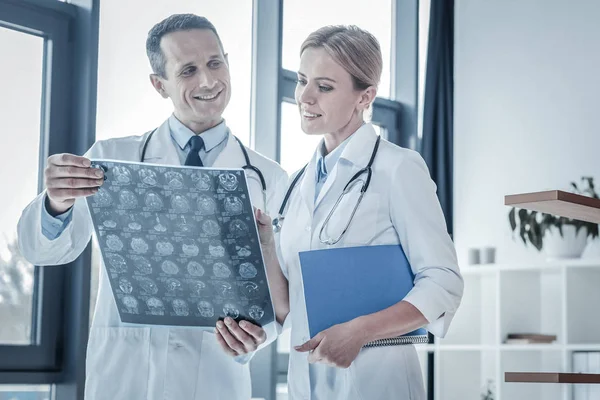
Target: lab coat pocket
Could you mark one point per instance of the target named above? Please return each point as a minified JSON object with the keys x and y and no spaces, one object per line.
{"x":364,"y":225}
{"x":118,"y":362}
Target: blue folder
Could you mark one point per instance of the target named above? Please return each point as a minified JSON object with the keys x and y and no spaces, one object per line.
{"x":344,"y":283}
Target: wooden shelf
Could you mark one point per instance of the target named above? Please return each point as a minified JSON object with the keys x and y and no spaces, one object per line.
{"x":550,"y":377}
{"x":557,"y":202}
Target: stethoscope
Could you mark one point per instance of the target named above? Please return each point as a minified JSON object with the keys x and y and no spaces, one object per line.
{"x":248,"y":165}
{"x":278,"y":221}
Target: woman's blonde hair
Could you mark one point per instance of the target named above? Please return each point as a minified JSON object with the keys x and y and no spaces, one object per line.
{"x":355,"y":49}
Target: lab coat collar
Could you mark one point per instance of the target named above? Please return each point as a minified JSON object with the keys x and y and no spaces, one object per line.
{"x":231,"y":156}
{"x":355,"y":156}
{"x":161,"y":149}
{"x":360,"y":146}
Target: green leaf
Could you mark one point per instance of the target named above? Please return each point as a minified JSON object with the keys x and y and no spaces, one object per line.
{"x":512,"y":220}
{"x":523,"y":233}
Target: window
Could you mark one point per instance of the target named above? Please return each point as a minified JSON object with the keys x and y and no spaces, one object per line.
{"x":20,"y":100}
{"x":296,"y":146}
{"x":25,"y":392}
{"x":37,"y":111}
{"x":300,"y":18}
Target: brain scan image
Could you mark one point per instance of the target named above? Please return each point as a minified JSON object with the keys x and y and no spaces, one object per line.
{"x":102,"y":198}
{"x":142,"y":265}
{"x":251,"y":290}
{"x":221,"y":270}
{"x":148,"y":177}
{"x":195,"y":269}
{"x":164,"y":248}
{"x":206,"y":205}
{"x":233,"y":205}
{"x":231,"y":311}
{"x":139,"y":245}
{"x":211,"y":228}
{"x":238,"y":228}
{"x":117,"y":263}
{"x":125,"y":285}
{"x":201,"y":181}
{"x":155,"y":306}
{"x":183,"y":226}
{"x":129,"y":221}
{"x":224,"y":289}
{"x":127,"y":199}
{"x":153,"y":201}
{"x":243,"y":251}
{"x":160,"y":224}
{"x":206,"y":309}
{"x":147,"y":285}
{"x":108,"y":220}
{"x":172,"y":285}
{"x":216,"y":249}
{"x":180,"y":204}
{"x":122,"y":175}
{"x":114,"y":243}
{"x":256,"y":312}
{"x":169,"y":267}
{"x":131,"y":304}
{"x":180,"y":307}
{"x":247,"y":270}
{"x":198,"y":288}
{"x":228,"y":181}
{"x":190,"y":248}
{"x":174,"y":179}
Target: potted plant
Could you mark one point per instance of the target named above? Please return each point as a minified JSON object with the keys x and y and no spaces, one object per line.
{"x":560,"y":237}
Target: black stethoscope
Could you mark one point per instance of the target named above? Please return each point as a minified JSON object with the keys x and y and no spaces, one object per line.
{"x":278,"y":221}
{"x":248,"y":165}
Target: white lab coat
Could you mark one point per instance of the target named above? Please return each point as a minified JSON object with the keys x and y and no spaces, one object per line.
{"x":399,"y":207}
{"x":133,"y":362}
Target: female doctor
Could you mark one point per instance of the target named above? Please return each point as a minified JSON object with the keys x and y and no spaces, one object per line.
{"x":339,"y":71}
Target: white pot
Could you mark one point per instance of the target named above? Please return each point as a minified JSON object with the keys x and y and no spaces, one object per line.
{"x":570,"y":245}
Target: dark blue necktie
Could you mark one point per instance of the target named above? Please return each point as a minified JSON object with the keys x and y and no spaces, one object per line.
{"x":193,"y":158}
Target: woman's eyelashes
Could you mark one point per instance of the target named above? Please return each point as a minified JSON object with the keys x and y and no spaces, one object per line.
{"x":322,"y":88}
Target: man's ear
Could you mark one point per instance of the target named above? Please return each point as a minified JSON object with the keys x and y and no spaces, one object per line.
{"x":157,"y":83}
{"x":367,"y":97}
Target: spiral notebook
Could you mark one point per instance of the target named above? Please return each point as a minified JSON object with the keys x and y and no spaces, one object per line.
{"x":344,"y":283}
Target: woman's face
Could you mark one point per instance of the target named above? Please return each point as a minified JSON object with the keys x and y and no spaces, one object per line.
{"x":326,"y":98}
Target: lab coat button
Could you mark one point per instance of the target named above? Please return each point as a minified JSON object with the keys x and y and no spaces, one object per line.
{"x":307,"y":229}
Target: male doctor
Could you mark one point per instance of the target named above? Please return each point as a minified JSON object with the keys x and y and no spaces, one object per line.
{"x":126,"y":361}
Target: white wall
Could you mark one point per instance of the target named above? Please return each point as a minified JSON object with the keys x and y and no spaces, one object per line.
{"x":527,"y":110}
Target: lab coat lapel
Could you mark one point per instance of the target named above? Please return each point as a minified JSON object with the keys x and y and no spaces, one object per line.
{"x":355,"y":156}
{"x":231,"y":156}
{"x":161,"y":148}
{"x":307,"y":185}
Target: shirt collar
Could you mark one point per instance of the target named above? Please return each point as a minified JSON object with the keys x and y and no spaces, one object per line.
{"x":182,"y":134}
{"x":325,"y":163}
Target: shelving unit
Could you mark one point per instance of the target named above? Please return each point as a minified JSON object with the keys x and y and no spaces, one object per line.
{"x":556,"y":297}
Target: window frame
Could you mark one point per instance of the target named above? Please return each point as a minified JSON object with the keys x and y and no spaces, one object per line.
{"x":56,"y":354}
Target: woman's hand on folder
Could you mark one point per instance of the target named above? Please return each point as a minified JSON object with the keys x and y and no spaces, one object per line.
{"x":337,"y":346}
{"x":238,"y":339}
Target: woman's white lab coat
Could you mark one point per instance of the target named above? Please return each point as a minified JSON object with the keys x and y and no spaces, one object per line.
{"x":399,"y":207}
{"x":127,"y":361}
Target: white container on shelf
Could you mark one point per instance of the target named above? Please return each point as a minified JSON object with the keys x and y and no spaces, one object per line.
{"x":570,"y":245}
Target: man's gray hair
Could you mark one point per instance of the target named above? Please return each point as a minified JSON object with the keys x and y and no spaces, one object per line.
{"x":174,"y":23}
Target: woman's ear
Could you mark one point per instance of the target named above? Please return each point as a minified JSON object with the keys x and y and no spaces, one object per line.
{"x":367,"y":97}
